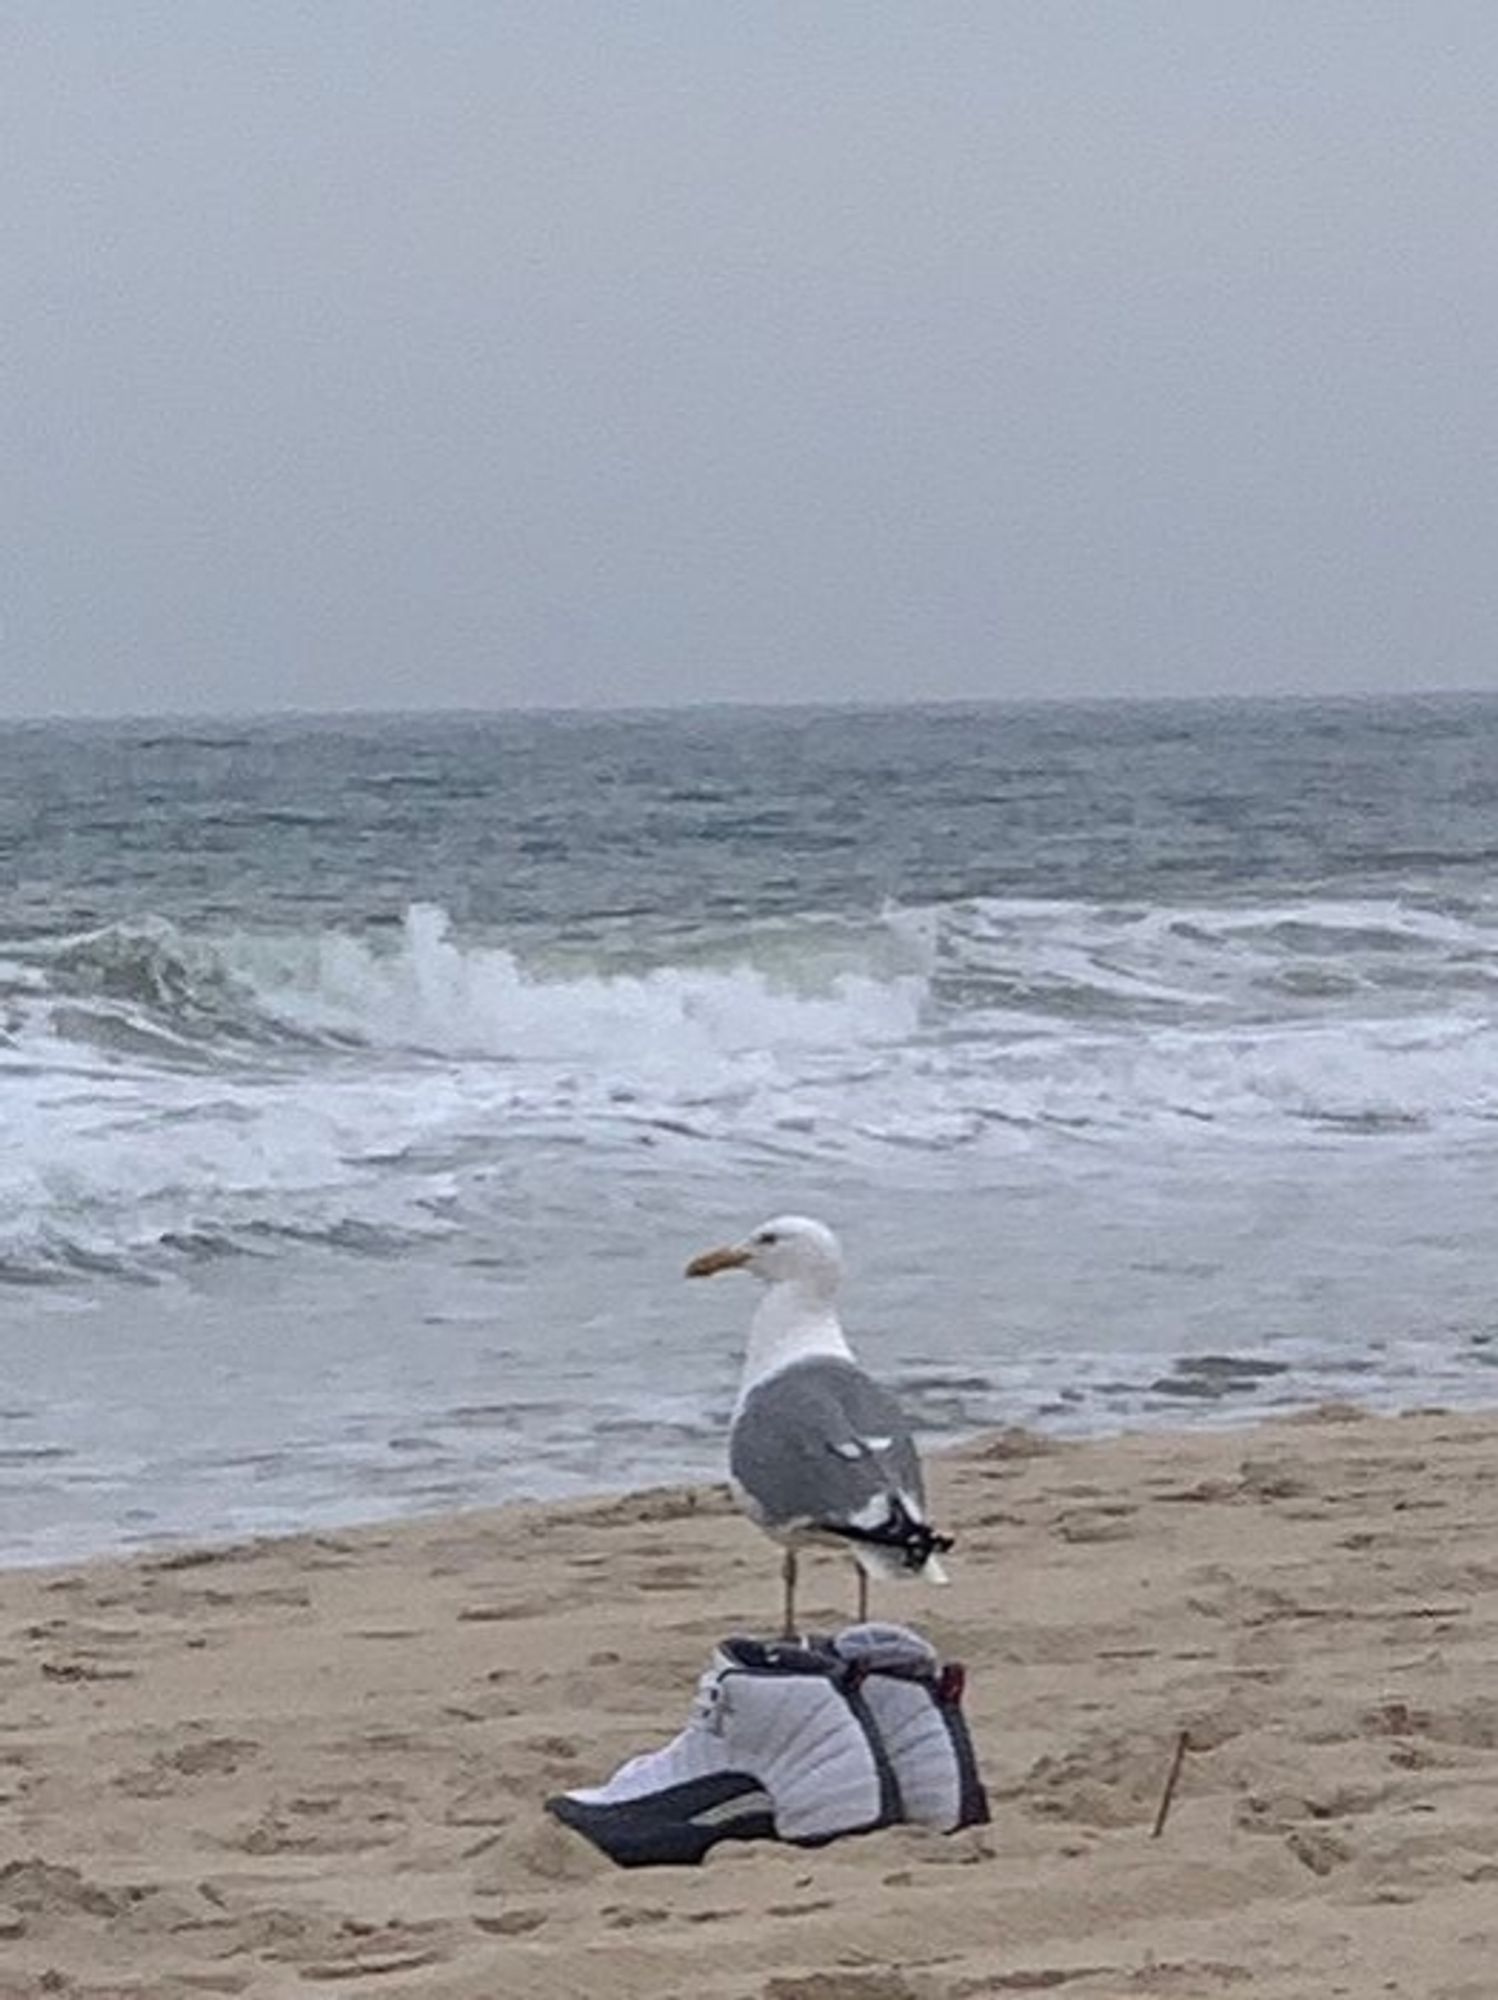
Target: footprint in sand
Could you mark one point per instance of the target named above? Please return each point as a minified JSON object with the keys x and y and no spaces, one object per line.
{"x":673,"y":1576}
{"x":511,"y":1923}
{"x":1320,"y":1850}
{"x":213,"y":1756}
{"x":377,"y":1954}
{"x":36,"y":1887}
{"x":1097,"y":1524}
{"x":548,"y":1853}
{"x":885,"y":1985}
{"x":1107,"y":1781}
{"x":1471,"y":1725}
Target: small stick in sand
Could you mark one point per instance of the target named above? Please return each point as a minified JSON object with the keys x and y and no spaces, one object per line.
{"x":1172,"y":1778}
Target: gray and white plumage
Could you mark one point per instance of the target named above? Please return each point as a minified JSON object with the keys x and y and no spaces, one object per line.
{"x":818,"y":1451}
{"x":819,"y":1443}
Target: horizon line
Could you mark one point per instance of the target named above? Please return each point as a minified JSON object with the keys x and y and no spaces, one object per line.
{"x":827,"y":705}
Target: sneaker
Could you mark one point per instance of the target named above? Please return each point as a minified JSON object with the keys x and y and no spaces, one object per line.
{"x":781,"y":1743}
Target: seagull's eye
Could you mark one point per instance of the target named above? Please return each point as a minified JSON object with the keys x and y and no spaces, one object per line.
{"x":766,"y":1236}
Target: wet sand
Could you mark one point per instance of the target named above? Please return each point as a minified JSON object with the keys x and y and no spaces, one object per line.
{"x":318,"y":1764}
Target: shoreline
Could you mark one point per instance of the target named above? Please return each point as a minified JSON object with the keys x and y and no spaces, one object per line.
{"x":1222,"y":1417}
{"x":321,"y":1758}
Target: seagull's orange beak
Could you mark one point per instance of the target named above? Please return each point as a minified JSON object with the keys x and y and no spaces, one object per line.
{"x":713,"y":1261}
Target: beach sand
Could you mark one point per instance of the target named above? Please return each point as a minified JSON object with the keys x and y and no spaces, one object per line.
{"x":318,"y":1764}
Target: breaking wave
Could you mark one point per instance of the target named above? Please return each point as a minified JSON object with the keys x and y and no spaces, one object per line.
{"x":176,"y":1096}
{"x":424,"y":993}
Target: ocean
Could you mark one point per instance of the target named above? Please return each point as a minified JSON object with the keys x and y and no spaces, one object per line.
{"x":365,"y":1084}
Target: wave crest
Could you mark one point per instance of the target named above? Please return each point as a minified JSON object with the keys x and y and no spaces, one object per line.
{"x":183,"y":1096}
{"x":425,"y":993}
{"x":432,"y":995}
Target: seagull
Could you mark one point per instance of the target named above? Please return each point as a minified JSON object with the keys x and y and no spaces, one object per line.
{"x":818,"y":1452}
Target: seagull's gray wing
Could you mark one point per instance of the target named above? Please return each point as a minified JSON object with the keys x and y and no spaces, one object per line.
{"x":821,"y":1443}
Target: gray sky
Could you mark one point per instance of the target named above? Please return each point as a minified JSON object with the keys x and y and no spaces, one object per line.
{"x":544,"y":351}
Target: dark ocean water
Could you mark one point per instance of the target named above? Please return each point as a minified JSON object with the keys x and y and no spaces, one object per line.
{"x":364,"y":1084}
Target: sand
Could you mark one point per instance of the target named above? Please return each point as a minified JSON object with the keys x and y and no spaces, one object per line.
{"x":318,"y":1764}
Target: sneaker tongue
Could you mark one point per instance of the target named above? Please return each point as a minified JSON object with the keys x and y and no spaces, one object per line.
{"x":887,"y":1649}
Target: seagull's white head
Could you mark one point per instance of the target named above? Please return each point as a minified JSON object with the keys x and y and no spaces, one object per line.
{"x":789,"y":1249}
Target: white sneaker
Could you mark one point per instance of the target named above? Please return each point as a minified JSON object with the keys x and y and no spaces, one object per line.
{"x":780,"y":1743}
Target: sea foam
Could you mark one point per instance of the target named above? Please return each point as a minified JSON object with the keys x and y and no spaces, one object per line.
{"x":172,"y":1094}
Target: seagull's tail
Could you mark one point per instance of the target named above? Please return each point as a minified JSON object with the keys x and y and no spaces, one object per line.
{"x":901,"y":1543}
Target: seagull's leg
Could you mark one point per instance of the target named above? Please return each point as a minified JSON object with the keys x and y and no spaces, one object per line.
{"x":788,"y":1576}
{"x":863,"y":1594}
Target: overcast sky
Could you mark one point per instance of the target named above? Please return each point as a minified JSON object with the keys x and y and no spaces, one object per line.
{"x":541,"y":351}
